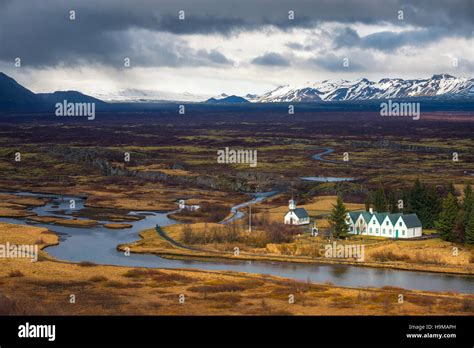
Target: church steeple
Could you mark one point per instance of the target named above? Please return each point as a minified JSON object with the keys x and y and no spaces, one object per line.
{"x":291,"y":204}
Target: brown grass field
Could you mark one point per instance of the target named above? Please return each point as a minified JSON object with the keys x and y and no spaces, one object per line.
{"x":45,"y":288}
{"x":173,"y":159}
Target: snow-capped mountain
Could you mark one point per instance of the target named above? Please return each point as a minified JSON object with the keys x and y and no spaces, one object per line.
{"x":363,"y":89}
{"x":220,"y":96}
{"x":251,"y":97}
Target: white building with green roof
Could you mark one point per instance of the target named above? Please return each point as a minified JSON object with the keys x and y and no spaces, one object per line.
{"x":387,"y":225}
{"x":296,"y":216}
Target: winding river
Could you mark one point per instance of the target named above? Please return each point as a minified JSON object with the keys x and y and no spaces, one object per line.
{"x":98,"y":244}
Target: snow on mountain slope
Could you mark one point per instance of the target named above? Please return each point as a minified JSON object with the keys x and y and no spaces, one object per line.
{"x":363,"y":89}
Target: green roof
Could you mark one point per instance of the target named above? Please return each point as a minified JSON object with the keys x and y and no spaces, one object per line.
{"x":367,"y":216}
{"x":394,"y":217}
{"x":301,"y":213}
{"x":411,"y":220}
{"x":380,"y":217}
{"x":354,"y":215}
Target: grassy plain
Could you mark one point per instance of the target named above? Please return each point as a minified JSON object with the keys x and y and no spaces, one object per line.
{"x":175,"y":158}
{"x":45,"y":288}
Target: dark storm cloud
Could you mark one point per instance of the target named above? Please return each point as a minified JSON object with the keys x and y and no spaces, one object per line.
{"x":331,"y":62}
{"x":214,"y":56}
{"x":388,"y":40}
{"x":346,"y":37}
{"x":41,"y":33}
{"x":271,"y":59}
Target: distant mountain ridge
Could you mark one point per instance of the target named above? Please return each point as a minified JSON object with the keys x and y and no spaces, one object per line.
{"x":438,"y":88}
{"x":231,"y":99}
{"x":70,"y":96}
{"x":442,"y":85}
{"x":14,"y":96}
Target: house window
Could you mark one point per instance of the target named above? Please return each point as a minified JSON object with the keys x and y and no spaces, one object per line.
{"x":400,"y":223}
{"x":377,"y":230}
{"x":386,"y":223}
{"x":390,"y":231}
{"x":403,"y":232}
{"x":373,"y":222}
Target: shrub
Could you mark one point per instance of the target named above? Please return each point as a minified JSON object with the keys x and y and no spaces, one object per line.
{"x":171,"y":277}
{"x":225,"y":298}
{"x":97,"y":279}
{"x":431,"y":259}
{"x":471,"y":258}
{"x":384,"y":256}
{"x":115,"y":284}
{"x":216,"y":288}
{"x":235,"y":233}
{"x":16,"y":273}
{"x":467,"y":305}
{"x":7,"y":306}
{"x":39,"y":241}
{"x":138,"y":273}
{"x":86,"y":264}
{"x":208,"y":212}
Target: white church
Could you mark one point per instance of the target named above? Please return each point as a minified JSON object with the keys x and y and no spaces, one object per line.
{"x":296,"y":216}
{"x":384,"y":224}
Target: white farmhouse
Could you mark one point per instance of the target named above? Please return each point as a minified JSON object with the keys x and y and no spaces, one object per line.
{"x":296,"y":216}
{"x":183,"y":206}
{"x":384,"y":224}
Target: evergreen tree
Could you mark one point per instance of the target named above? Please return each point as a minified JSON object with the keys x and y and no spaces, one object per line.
{"x":367,"y":202}
{"x":451,"y":189}
{"x":380,"y":201}
{"x":432,"y":207}
{"x":338,"y":219}
{"x":392,"y":203}
{"x":458,"y":234}
{"x":415,"y":198}
{"x":424,"y":201}
{"x":405,"y":207}
{"x":469,"y":231}
{"x":468,"y":202}
{"x":447,"y":218}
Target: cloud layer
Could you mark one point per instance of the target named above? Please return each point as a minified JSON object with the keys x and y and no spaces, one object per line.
{"x":209,"y":39}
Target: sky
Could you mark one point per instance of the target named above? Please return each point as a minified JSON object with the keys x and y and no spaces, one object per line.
{"x":208,"y":47}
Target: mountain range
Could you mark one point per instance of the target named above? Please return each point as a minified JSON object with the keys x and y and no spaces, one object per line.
{"x":442,"y":85}
{"x":14,"y":96}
